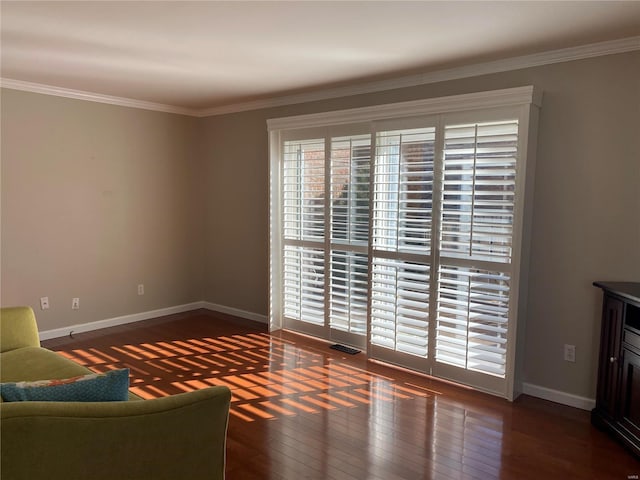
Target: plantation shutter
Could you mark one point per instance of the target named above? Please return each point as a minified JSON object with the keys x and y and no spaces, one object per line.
{"x":399,"y":229}
{"x":402,"y":216}
{"x":303,"y":229}
{"x":350,"y":175}
{"x":350,"y":165}
{"x":478,"y":190}
{"x":478,"y":202}
{"x":473,"y":307}
{"x":349,"y":271}
{"x":400,"y":306}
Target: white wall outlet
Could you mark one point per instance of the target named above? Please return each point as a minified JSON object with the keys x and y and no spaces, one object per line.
{"x":44,"y":303}
{"x":75,"y":304}
{"x":141,"y":289}
{"x":570,"y":353}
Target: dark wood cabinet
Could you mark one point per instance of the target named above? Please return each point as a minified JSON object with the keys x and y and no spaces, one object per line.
{"x":618,"y":393}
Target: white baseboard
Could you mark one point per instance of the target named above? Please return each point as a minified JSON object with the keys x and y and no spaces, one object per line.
{"x":256,"y":317}
{"x":137,"y":317}
{"x":557,"y":396}
{"x":112,"y":322}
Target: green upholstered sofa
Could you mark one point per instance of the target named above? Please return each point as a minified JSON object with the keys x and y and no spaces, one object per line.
{"x":176,"y":437}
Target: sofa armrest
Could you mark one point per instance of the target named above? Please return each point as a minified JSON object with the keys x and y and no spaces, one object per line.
{"x":18,"y":328}
{"x":181,"y":436}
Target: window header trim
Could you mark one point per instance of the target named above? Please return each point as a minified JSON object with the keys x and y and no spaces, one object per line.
{"x":528,"y":95}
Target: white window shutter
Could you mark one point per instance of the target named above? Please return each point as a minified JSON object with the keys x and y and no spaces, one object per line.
{"x":472,"y":319}
{"x":348,"y":291}
{"x":400,"y":306}
{"x":303,"y":190}
{"x":478,"y":204}
{"x":420,"y":249}
{"x":478,"y":190}
{"x":303,"y":230}
{"x":350,"y":174}
{"x":403,"y":192}
{"x":402,"y":217}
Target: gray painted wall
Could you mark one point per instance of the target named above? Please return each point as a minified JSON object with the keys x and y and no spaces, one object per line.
{"x":95,"y":200}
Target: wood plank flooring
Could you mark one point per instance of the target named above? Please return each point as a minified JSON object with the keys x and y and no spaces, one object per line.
{"x":301,"y":410}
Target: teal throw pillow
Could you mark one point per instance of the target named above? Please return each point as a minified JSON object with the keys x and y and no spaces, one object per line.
{"x":96,"y":387}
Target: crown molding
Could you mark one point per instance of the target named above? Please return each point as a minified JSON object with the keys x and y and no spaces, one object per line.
{"x":581,"y":52}
{"x":515,"y":63}
{"x":93,"y":97}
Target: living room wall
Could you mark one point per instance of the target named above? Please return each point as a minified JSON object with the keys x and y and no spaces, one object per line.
{"x":586,"y":223}
{"x":97,"y":199}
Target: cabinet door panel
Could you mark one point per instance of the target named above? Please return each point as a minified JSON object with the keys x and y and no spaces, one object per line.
{"x":610,"y":362}
{"x":630,"y":392}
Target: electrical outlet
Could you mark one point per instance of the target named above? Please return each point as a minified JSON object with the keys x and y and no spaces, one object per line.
{"x":570,"y":353}
{"x":75,"y":304}
{"x":141,"y":289}
{"x":44,"y":303}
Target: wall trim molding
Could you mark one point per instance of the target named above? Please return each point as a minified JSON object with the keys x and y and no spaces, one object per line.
{"x":138,"y":317}
{"x":580,"y":52}
{"x":558,"y":396}
{"x":113,"y":322}
{"x":256,"y":317}
{"x":93,"y":97}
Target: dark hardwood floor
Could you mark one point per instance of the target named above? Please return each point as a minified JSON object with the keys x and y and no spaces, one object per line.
{"x":301,"y":410}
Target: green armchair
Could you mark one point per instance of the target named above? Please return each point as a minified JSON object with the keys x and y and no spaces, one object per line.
{"x":176,"y":437}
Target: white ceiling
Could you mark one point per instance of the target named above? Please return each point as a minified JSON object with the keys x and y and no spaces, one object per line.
{"x":206,"y":54}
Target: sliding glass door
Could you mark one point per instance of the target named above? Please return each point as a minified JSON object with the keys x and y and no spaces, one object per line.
{"x":403,"y":183}
{"x":398,"y":236}
{"x":350,"y":163}
{"x":326,"y":235}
